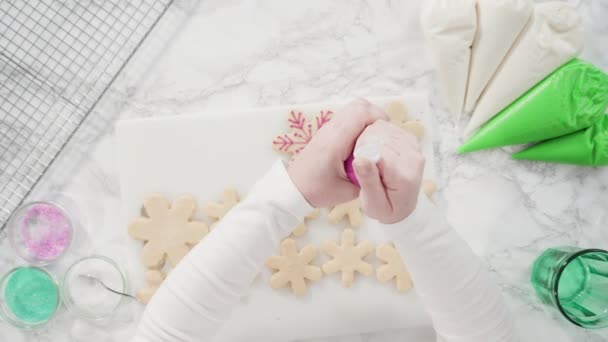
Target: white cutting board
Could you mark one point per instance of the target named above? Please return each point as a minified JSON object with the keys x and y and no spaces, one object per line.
{"x":201,"y":154}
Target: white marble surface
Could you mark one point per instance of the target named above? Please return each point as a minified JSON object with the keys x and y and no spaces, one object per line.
{"x":235,"y":54}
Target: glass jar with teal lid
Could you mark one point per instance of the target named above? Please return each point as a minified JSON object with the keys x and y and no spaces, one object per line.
{"x":29,"y":297}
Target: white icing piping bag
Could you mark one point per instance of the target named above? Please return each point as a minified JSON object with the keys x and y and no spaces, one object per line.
{"x":370,"y":149}
{"x":553,"y":37}
{"x":499,"y":22}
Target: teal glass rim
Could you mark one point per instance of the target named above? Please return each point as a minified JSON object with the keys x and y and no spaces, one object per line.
{"x":558,"y":276}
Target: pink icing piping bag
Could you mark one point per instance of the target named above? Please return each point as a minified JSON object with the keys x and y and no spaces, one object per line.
{"x":350,"y":170}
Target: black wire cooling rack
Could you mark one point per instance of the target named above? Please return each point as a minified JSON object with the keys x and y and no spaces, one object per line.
{"x":57,"y":59}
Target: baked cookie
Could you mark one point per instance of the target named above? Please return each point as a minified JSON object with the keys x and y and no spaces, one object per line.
{"x":301,"y":131}
{"x":429,"y":188}
{"x":293,"y":267}
{"x":416,"y":128}
{"x":154,"y":279}
{"x":394,"y":268}
{"x":301,"y":228}
{"x":397,"y":112}
{"x":217,"y":211}
{"x":350,"y":210}
{"x":167,"y":230}
{"x":348,"y":257}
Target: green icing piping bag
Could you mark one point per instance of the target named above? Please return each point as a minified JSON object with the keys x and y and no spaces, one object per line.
{"x":587,"y":147}
{"x":570,"y":99}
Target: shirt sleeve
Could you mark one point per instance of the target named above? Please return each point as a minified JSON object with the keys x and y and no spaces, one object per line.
{"x":463,"y":302}
{"x":199,"y":294}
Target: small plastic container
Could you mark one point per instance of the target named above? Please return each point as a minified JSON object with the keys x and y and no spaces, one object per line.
{"x":29,"y":297}
{"x":40,"y":232}
{"x":87,"y":298}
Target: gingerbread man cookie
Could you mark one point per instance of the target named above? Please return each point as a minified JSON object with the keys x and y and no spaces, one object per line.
{"x":167,"y":230}
{"x":154,"y":279}
{"x":394,"y":268}
{"x":217,"y":211}
{"x":293,"y":267}
{"x":348,"y":257}
{"x":301,"y":228}
{"x":301,"y":131}
{"x":351,"y":210}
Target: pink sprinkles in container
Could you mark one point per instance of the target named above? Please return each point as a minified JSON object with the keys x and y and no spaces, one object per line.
{"x":40,"y":232}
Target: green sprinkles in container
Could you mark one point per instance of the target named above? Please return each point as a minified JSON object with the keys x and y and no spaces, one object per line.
{"x":30,"y":296}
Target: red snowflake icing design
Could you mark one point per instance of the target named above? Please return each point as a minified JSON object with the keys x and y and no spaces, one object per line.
{"x":300,"y":131}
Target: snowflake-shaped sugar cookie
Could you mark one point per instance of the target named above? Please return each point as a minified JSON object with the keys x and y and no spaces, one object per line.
{"x":293,"y":267}
{"x":350,"y":210}
{"x":394,"y":268}
{"x":167,"y":229}
{"x":397,"y":113}
{"x":429,"y":188}
{"x":416,"y":128}
{"x":301,"y":130}
{"x":348,"y":257}
{"x":217,"y":211}
{"x":154,"y":279}
{"x":301,"y":228}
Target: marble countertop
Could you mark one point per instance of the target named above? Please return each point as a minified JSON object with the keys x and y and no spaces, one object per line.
{"x":236,"y":54}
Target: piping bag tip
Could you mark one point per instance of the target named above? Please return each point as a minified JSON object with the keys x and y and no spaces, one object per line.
{"x":471,"y":145}
{"x":462,"y":149}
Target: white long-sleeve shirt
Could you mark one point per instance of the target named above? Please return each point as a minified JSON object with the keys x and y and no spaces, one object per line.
{"x":199,"y":294}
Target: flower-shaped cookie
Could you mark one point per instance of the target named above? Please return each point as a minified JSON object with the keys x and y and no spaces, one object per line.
{"x":394,"y":268}
{"x":348,"y":257}
{"x":167,"y":229}
{"x":351,"y":210}
{"x":301,"y":228}
{"x":301,"y":130}
{"x":217,"y":211}
{"x":154,"y":279}
{"x":293,"y":267}
{"x":397,"y":113}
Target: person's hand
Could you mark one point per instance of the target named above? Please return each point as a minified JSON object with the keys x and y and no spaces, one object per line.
{"x":390,"y":187}
{"x":318,"y":170}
